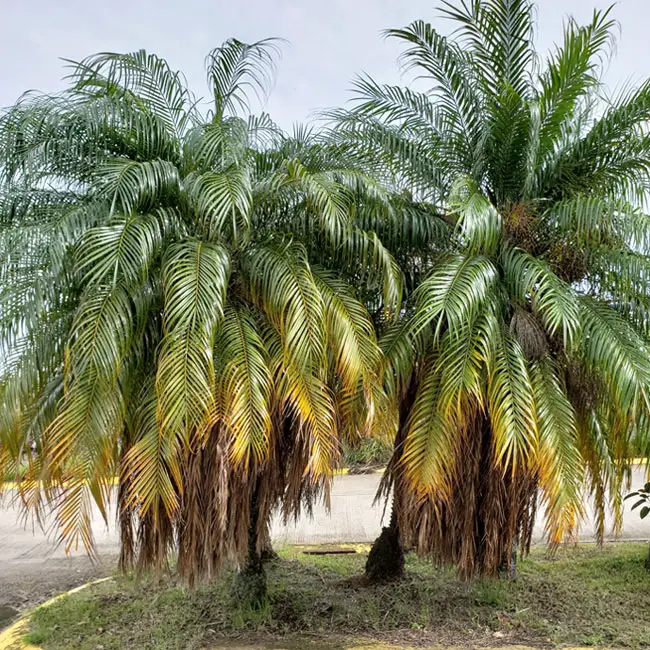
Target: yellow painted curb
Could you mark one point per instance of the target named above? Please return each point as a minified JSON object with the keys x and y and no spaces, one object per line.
{"x":12,"y":637}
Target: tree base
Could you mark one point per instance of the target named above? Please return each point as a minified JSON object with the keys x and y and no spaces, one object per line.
{"x":249,"y":589}
{"x":647,"y":560}
{"x":267,"y":554}
{"x":386,"y":558}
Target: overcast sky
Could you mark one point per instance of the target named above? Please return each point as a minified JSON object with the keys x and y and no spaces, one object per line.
{"x":329,"y":40}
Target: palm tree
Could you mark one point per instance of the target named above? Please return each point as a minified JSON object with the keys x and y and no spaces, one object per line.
{"x":521,"y":360}
{"x":174,"y":312}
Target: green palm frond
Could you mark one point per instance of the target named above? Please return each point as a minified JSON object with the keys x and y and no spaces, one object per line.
{"x":244,"y":386}
{"x":499,"y":33}
{"x":454,"y":293}
{"x":529,"y":278}
{"x":459,"y":95}
{"x":221,"y":202}
{"x":512,"y":406}
{"x":572,"y":70}
{"x":139,"y":75}
{"x":465,"y":355}
{"x":235,"y":68}
{"x":351,"y":334}
{"x":195,"y":278}
{"x":478,"y":225}
{"x":282,"y":286}
{"x":120,"y":251}
{"x":132,"y":185}
{"x":612,"y":348}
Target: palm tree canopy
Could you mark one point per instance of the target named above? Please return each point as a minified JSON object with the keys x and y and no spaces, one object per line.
{"x":176,"y":301}
{"x":534,"y":314}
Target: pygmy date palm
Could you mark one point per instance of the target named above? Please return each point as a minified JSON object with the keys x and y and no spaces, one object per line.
{"x":521,"y":362}
{"x":168,"y":314}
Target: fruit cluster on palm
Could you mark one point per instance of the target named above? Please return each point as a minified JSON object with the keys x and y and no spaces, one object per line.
{"x":177,"y":311}
{"x":174,"y":310}
{"x":521,"y":362}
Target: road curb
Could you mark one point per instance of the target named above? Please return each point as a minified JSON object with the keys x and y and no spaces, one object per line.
{"x":12,"y":637}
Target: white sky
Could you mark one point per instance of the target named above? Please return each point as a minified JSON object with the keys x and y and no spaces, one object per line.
{"x":330,"y":40}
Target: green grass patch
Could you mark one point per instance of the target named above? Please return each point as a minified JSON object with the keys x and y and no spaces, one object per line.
{"x":368,"y":454}
{"x":582,"y":596}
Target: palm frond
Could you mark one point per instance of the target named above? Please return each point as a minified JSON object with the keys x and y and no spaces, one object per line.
{"x":195,"y":278}
{"x":120,"y":251}
{"x":429,"y":447}
{"x":454,"y":293}
{"x":512,"y":407}
{"x":244,"y":386}
{"x":613,"y":349}
{"x":561,"y":469}
{"x":236,"y":68}
{"x":529,"y":278}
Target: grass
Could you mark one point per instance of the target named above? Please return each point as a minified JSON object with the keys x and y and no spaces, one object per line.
{"x":367,"y":454}
{"x":581,"y":597}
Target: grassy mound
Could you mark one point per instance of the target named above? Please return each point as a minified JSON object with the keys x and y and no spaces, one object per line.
{"x":581,"y":597}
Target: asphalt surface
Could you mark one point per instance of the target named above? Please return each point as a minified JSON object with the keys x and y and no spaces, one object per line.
{"x":33,"y":567}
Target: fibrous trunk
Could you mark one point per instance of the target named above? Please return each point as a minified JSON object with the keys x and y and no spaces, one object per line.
{"x":250,"y":585}
{"x":386,"y":558}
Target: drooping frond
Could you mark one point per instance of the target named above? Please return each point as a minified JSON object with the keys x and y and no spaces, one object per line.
{"x":351,"y":333}
{"x":465,"y":356}
{"x":511,"y":403}
{"x":613,"y":349}
{"x":120,"y":251}
{"x":283,"y":287}
{"x":430,"y":441}
{"x":132,"y":185}
{"x":478,"y":225}
{"x":244,"y":386}
{"x":561,"y":467}
{"x":529,"y":278}
{"x":195,"y":278}
{"x":151,"y":469}
{"x":222,"y":202}
{"x":455,"y":292}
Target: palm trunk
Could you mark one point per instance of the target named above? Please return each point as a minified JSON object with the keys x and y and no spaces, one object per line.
{"x":508,"y":568}
{"x":266,"y":547}
{"x":125,"y":520}
{"x":647,"y":560}
{"x":386,"y":558}
{"x":250,"y":585}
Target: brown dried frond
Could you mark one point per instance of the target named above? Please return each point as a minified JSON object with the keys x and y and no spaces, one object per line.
{"x":529,"y":333}
{"x":489,"y":512}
